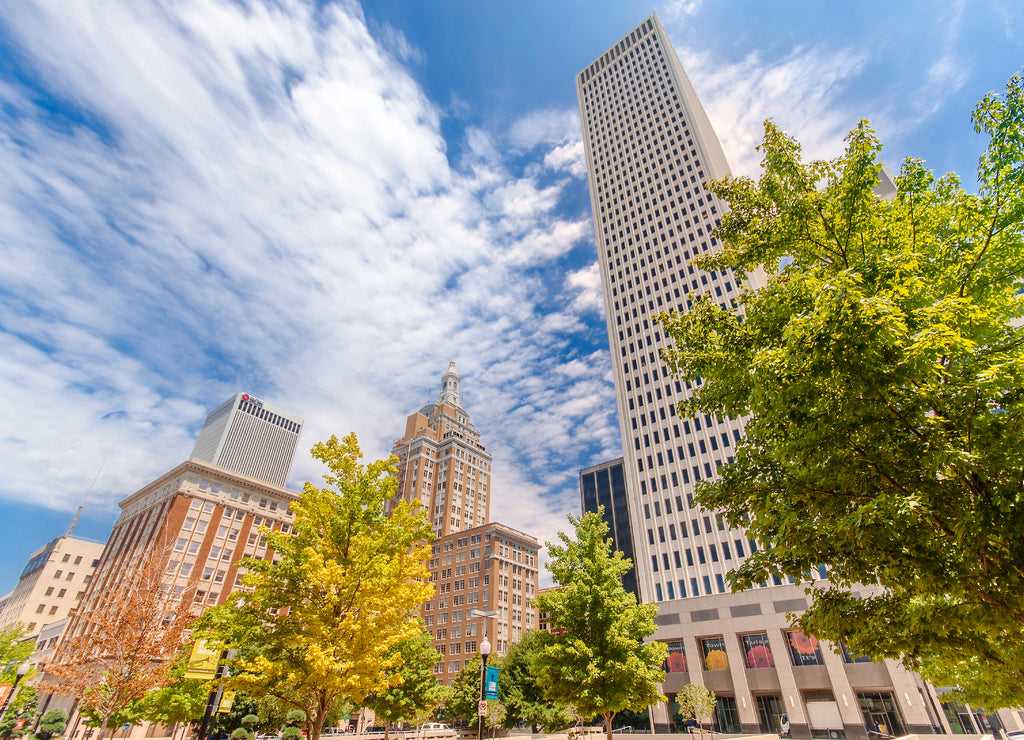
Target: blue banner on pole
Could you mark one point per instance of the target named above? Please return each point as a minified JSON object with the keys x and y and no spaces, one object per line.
{"x":492,"y":683}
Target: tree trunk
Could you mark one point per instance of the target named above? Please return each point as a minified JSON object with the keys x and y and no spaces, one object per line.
{"x":608,"y":717}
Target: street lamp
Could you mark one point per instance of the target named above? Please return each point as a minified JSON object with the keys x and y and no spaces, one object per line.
{"x":485,"y":650}
{"x":23,"y":669}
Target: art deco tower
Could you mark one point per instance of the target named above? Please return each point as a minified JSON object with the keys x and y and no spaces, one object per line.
{"x":443,"y":464}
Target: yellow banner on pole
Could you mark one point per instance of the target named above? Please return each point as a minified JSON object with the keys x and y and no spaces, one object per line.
{"x":202,"y":664}
{"x":225,"y":702}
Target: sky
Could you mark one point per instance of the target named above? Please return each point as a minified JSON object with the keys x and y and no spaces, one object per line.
{"x":321,"y":204}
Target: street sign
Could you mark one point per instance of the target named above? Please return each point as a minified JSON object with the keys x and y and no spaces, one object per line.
{"x":482,"y":708}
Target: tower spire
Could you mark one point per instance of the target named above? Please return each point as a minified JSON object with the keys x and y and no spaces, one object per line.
{"x":450,"y":382}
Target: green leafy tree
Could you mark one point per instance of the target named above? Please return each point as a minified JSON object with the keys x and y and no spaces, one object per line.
{"x":695,"y":701}
{"x":318,"y":623}
{"x":182,"y":700}
{"x":22,"y":706}
{"x":461,"y":703}
{"x":523,"y":698}
{"x":15,"y":647}
{"x":881,"y":372}
{"x":418,"y":695}
{"x":597,"y":661}
{"x":51,"y":724}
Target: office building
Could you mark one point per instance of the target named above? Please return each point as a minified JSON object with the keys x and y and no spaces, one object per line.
{"x":52,"y":583}
{"x":491,"y":569}
{"x":650,"y":152}
{"x":205,"y":515}
{"x":443,"y":464}
{"x":605,"y":485}
{"x":249,"y":436}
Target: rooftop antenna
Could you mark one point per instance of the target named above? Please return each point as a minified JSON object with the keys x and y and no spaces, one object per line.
{"x":74,"y":519}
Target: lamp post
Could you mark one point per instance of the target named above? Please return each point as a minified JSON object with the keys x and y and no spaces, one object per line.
{"x":23,"y":669}
{"x":485,"y":650}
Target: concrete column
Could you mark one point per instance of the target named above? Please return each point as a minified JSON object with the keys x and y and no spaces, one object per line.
{"x":738,"y":669}
{"x":846,"y":697}
{"x":908,"y":699}
{"x":799,"y":726}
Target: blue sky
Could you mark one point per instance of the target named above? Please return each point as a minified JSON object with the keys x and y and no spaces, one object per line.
{"x":321,"y":204}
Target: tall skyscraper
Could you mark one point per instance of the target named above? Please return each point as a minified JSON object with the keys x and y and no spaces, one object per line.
{"x":443,"y":463}
{"x":248,"y":436}
{"x":650,"y":152}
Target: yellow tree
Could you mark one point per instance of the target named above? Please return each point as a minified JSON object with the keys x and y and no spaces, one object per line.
{"x":121,"y":642}
{"x":317,"y":623}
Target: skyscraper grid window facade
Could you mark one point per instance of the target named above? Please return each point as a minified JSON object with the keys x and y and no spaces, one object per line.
{"x":650,"y":153}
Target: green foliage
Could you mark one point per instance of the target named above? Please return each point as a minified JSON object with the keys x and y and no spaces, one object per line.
{"x":240,"y":733}
{"x":15,"y":647}
{"x":695,"y":702}
{"x":293,"y":725}
{"x":251,"y":721}
{"x":599,"y":662}
{"x":523,"y":698}
{"x":52,"y":723}
{"x":22,"y":705}
{"x":182,"y":701}
{"x":318,"y":624}
{"x":416,"y":698}
{"x":881,"y":371}
{"x":464,"y":693}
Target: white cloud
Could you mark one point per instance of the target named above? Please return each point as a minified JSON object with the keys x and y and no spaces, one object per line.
{"x":800,"y":91}
{"x":259,"y":197}
{"x":676,"y":9}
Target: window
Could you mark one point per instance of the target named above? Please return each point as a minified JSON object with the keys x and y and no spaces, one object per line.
{"x":713,"y":651}
{"x":676,"y":662}
{"x":60,"y":594}
{"x":756,"y":651}
{"x":851,"y":657}
{"x":804,"y":649}
{"x":49,"y":591}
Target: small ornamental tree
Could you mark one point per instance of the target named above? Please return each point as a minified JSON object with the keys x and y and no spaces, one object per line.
{"x":695,"y":701}
{"x":52,"y":723}
{"x":121,"y":642}
{"x":293,"y":725}
{"x":881,"y":373}
{"x":595,"y":659}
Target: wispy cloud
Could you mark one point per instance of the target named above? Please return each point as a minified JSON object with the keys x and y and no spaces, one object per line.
{"x":259,"y":197}
{"x":800,"y":91}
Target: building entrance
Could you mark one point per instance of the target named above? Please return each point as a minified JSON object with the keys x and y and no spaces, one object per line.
{"x":770,"y":713}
